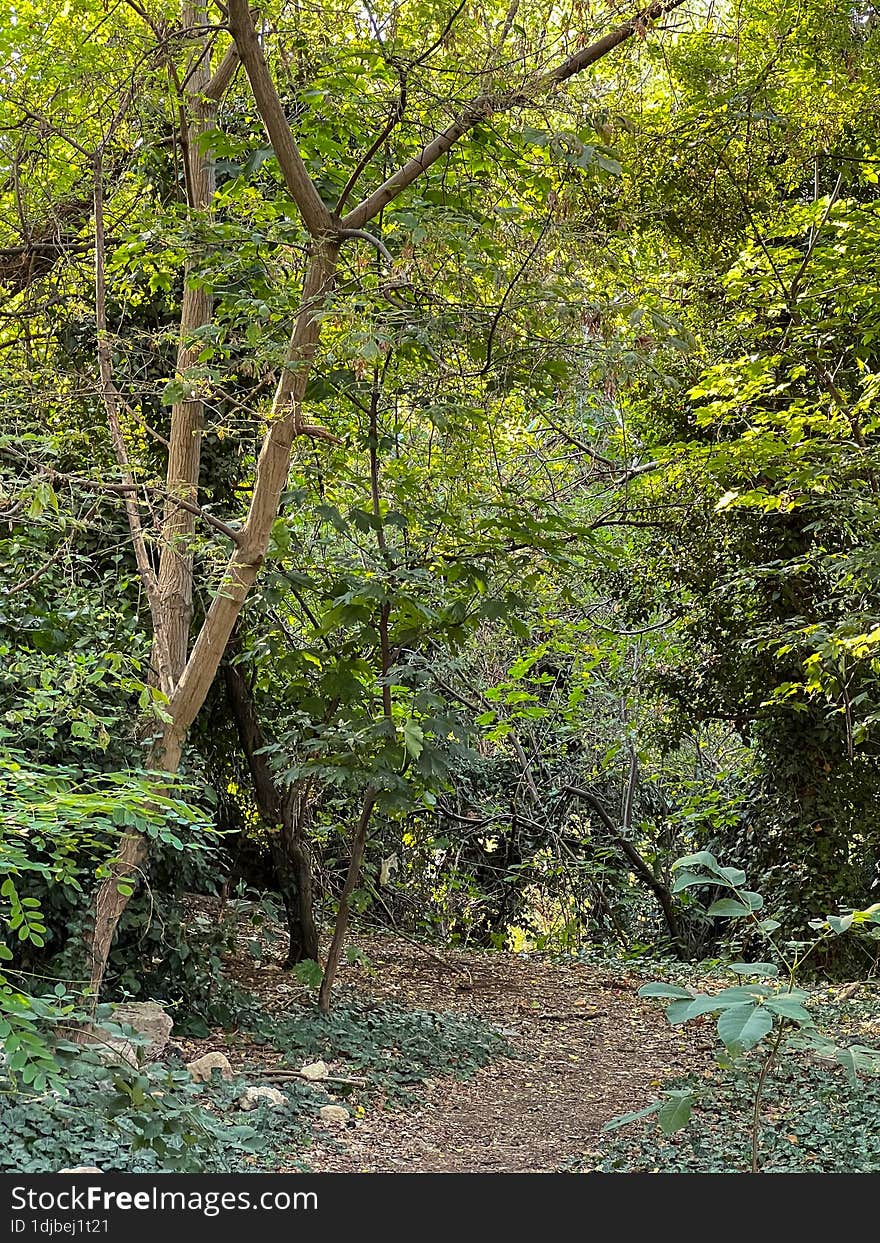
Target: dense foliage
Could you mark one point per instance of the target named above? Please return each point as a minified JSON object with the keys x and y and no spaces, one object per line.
{"x":553,"y":557}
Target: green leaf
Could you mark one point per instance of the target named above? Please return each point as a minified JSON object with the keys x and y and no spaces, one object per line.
{"x":675,"y":1112}
{"x":743,"y":1026}
{"x":759,"y":969}
{"x":871,"y":915}
{"x":788,"y":1005}
{"x":625,"y":1119}
{"x":847,"y":1060}
{"x":743,"y":992}
{"x":728,"y":908}
{"x":683,"y":1011}
{"x":857,"y":1058}
{"x":413,"y":739}
{"x":309,"y":972}
{"x":702,"y":858}
{"x":769,"y":925}
{"x":685,"y":880}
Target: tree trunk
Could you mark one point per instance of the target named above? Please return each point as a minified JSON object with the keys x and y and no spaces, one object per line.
{"x":282,"y":812}
{"x":198,"y":116}
{"x":171,"y":602}
{"x":114,"y":892}
{"x":660,"y":891}
{"x":352,"y":877}
{"x":241,"y":571}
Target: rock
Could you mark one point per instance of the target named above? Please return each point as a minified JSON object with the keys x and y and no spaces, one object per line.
{"x":315,"y":1071}
{"x":152,"y":1024}
{"x":201,"y":1068}
{"x":150,"y":1021}
{"x":81,"y":1169}
{"x":335,"y":1115}
{"x":252,"y":1097}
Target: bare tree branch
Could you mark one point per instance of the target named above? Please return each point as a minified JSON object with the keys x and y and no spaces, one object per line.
{"x":488,"y":105}
{"x":316,"y":216}
{"x":112,"y":404}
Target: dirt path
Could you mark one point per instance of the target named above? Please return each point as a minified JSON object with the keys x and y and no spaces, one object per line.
{"x":586,"y":1046}
{"x":588,"y":1049}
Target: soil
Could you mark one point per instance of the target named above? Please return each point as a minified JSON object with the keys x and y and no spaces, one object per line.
{"x":586,"y":1049}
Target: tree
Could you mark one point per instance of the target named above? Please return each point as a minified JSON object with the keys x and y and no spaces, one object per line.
{"x":186,"y":683}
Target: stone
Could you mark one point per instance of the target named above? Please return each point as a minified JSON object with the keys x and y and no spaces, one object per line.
{"x":152,"y":1024}
{"x":252,"y":1097}
{"x":81,"y":1169}
{"x":315,"y":1071}
{"x":150,"y":1021}
{"x":201,"y":1067}
{"x":334,"y":1115}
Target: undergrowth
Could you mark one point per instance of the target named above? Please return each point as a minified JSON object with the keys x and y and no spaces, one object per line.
{"x":392,"y":1049}
{"x":816,"y":1122}
{"x":156,"y":1119}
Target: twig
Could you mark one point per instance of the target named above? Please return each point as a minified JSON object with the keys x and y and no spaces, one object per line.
{"x":283,"y":1075}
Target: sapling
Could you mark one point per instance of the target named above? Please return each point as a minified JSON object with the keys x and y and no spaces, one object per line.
{"x":766,"y":1012}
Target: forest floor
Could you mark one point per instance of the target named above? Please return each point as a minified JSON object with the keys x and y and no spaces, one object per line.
{"x":585,"y":1048}
{"x":588,"y":1048}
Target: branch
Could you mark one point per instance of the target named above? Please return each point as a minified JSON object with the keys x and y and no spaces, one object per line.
{"x":219,"y":83}
{"x":131,"y":489}
{"x":315,"y":214}
{"x":487,"y":105}
{"x":394,"y":119}
{"x":211,"y":519}
{"x":499,"y":311}
{"x":638,"y":864}
{"x":38,"y":573}
{"x":377,"y":242}
{"x":112,"y":403}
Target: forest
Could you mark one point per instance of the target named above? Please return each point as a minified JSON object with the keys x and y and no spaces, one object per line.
{"x":439,"y":586}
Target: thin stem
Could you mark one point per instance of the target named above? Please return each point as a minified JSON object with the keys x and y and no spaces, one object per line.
{"x":759,"y":1095}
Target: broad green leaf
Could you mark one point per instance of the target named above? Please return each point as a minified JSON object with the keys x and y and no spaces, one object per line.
{"x":728,"y":908}
{"x":675,"y":1112}
{"x":788,"y":1005}
{"x":856,"y":1059}
{"x":413,"y":739}
{"x":769,"y":925}
{"x":702,"y":858}
{"x":736,"y":993}
{"x":685,"y":1010}
{"x":625,"y":1119}
{"x":686,"y":880}
{"x":742,"y":1026}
